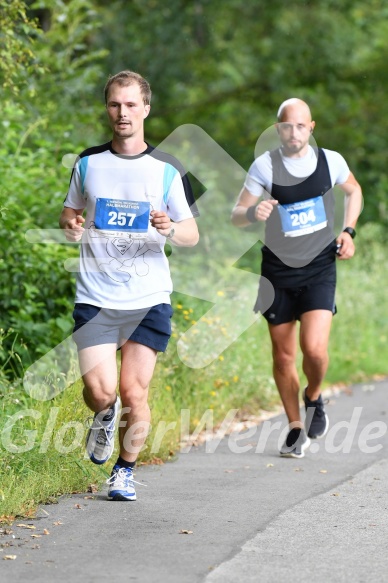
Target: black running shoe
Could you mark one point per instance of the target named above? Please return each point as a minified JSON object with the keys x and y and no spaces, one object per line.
{"x":296,"y":443}
{"x":317,"y":422}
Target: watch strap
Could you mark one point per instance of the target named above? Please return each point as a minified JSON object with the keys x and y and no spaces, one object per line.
{"x":350,"y":231}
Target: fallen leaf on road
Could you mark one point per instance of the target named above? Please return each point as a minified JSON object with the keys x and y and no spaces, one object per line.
{"x":9,"y":557}
{"x":27,"y":526}
{"x":185,"y":532}
{"x":57,"y":523}
{"x":8,"y":519}
{"x":335,"y":494}
{"x":78,"y":506}
{"x":323,"y":471}
{"x":269,"y":465}
{"x":36,"y":536}
{"x":46,"y":531}
{"x":298,"y":470}
{"x":93,"y":488}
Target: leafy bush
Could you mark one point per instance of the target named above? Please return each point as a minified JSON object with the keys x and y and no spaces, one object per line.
{"x":40,"y":125}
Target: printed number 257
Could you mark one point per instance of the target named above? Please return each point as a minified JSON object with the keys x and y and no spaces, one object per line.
{"x":121,"y":219}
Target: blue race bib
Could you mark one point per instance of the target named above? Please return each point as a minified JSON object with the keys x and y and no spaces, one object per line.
{"x":303,"y":218}
{"x":122,"y":216}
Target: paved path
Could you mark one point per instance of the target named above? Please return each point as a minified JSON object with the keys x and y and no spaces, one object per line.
{"x":253,"y":516}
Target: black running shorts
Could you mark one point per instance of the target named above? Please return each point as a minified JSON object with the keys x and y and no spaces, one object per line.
{"x":291,"y":302}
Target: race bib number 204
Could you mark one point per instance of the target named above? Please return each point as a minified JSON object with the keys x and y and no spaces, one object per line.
{"x":122,"y":216}
{"x":302,"y":218}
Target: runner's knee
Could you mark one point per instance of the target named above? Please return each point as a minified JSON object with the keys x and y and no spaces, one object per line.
{"x":135,"y":399}
{"x":283,"y":360}
{"x":99,"y":394}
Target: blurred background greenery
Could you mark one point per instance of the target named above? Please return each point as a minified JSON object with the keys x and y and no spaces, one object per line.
{"x":224,"y":66}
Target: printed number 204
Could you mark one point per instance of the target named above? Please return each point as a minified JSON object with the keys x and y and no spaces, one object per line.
{"x":303,"y":218}
{"x":121,"y":219}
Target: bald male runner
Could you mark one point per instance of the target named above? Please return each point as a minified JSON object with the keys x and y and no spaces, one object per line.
{"x":291,"y":189}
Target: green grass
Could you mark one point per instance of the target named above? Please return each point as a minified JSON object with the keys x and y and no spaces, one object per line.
{"x":37,"y":460}
{"x":360,"y":329}
{"x":239,"y":378}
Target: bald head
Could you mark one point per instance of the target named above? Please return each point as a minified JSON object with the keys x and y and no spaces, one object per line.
{"x":294,"y":127}
{"x":292,"y":107}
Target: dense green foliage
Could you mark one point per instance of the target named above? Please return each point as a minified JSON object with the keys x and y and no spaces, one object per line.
{"x":39,"y":129}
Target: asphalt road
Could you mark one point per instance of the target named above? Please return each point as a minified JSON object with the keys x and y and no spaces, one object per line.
{"x":250,"y":515}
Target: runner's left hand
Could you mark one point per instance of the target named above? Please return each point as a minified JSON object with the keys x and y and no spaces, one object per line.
{"x":161,"y":221}
{"x":347,"y":249}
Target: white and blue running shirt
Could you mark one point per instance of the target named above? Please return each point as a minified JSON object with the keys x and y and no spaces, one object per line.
{"x":118,"y":271}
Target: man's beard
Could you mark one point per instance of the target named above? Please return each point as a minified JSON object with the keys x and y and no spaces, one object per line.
{"x":124,"y":133}
{"x":293,"y":148}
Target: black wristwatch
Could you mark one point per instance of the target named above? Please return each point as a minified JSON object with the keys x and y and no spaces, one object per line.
{"x":350,"y":231}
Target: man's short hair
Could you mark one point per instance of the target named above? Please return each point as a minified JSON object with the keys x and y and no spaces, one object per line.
{"x":126,"y":78}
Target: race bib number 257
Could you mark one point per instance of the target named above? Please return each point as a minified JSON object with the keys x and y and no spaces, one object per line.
{"x":131,"y":217}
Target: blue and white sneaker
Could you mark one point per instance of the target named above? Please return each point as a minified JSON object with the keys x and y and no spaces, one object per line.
{"x":100,"y":439}
{"x":121,"y":484}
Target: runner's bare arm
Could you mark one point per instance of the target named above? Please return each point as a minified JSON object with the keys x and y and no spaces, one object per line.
{"x":353,"y":207}
{"x":183,"y":233}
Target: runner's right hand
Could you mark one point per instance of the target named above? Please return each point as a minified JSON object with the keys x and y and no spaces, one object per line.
{"x":73,"y":228}
{"x":264,"y":209}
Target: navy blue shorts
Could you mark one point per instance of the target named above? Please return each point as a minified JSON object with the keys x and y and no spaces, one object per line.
{"x":148,"y":326}
{"x":291,"y":302}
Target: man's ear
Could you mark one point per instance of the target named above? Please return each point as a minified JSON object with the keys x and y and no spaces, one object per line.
{"x":147,"y":109}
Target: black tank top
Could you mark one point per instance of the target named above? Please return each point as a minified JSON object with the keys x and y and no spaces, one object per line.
{"x":299,"y":260}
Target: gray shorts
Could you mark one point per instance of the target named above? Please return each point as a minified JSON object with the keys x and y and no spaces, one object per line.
{"x":148,"y":326}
